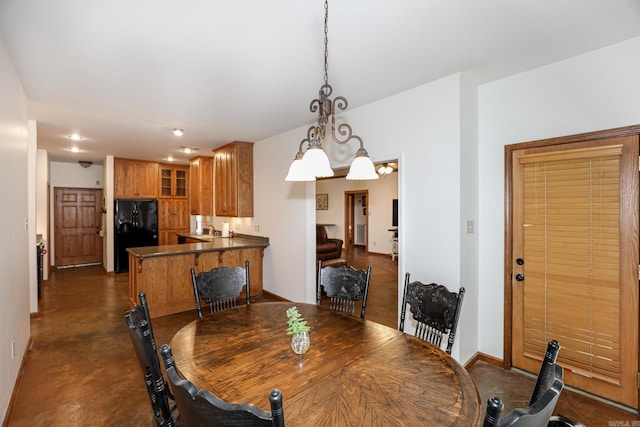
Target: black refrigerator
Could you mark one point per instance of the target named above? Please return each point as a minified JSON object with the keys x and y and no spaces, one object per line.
{"x":136,"y":225}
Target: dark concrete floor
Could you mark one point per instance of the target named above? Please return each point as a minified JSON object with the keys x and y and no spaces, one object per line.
{"x":81,"y":369}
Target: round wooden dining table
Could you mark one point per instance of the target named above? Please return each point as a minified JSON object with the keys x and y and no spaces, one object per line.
{"x":356,"y":372}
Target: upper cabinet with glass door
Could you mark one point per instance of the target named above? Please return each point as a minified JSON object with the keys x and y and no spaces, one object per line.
{"x":174,"y":181}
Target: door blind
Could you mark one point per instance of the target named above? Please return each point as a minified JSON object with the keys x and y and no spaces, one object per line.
{"x":571,"y":215}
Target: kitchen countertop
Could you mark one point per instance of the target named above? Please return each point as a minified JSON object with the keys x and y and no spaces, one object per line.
{"x":209,"y":244}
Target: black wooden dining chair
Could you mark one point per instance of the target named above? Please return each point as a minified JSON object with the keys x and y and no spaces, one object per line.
{"x":141,"y":333}
{"x":345,"y":286}
{"x":549,"y":385}
{"x":202,"y":408}
{"x":435,"y":309}
{"x":220,"y":287}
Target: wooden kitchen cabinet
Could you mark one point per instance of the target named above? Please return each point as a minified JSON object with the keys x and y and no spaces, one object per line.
{"x":233,"y":179}
{"x":173,"y":217}
{"x":201,"y":178}
{"x":135,"y":179}
{"x":174,"y":181}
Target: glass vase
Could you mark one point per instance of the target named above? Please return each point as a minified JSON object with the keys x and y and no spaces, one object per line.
{"x":300,"y":342}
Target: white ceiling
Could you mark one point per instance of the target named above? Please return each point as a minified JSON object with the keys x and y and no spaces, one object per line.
{"x":124,"y":72}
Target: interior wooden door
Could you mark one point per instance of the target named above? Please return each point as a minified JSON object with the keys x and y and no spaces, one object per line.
{"x":348,"y":220}
{"x":77,"y":223}
{"x":351,"y":209}
{"x":575,"y":262}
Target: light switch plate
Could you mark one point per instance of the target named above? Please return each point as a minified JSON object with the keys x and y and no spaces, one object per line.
{"x":470,"y":227}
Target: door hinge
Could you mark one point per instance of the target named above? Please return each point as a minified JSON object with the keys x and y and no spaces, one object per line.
{"x":638,"y":379}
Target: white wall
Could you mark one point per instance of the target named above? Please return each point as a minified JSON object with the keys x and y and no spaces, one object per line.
{"x":32,"y":144}
{"x":595,"y":91}
{"x":469,"y":223}
{"x":70,"y":175}
{"x":15,"y":250}
{"x":42,"y":185}
{"x":286,"y":214}
{"x":381,"y":193}
{"x":108,"y":260}
{"x":420,"y":128}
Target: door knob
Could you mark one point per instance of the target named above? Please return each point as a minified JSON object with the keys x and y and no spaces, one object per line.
{"x":519,"y":277}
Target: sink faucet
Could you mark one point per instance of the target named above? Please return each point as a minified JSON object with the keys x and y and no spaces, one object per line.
{"x":212,"y":230}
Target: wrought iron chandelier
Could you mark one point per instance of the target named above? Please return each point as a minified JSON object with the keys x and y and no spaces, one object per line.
{"x":314,"y":163}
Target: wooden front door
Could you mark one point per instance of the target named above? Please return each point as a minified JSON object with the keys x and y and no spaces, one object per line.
{"x":77,"y":223}
{"x":574,"y":262}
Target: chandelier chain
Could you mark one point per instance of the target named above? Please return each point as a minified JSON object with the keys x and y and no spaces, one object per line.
{"x":326,"y":42}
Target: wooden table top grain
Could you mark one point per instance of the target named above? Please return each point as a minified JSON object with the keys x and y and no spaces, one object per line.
{"x":356,"y":372}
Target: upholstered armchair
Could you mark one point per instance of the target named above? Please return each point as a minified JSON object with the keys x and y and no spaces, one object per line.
{"x":326,"y":248}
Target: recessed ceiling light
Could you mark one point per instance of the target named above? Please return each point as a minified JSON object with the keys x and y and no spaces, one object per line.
{"x":74,"y":149}
{"x":170,"y":159}
{"x":75,"y":137}
{"x":188,"y":150}
{"x":178,"y":131}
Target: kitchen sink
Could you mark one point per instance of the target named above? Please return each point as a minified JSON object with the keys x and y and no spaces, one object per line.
{"x":206,"y":237}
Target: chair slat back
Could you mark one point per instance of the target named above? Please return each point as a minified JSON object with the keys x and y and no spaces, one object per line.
{"x":141,"y":333}
{"x":435,"y":309}
{"x":201,"y":407}
{"x":344,"y":285}
{"x":428,"y":333}
{"x":220,"y":287}
{"x":342,"y":305}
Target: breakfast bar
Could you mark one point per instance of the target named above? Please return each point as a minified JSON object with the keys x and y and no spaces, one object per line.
{"x":163,"y":272}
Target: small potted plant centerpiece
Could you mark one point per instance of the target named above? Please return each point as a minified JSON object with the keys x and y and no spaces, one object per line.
{"x":299,"y":331}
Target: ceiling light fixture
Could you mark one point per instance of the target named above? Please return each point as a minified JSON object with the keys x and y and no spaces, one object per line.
{"x":188,"y":150}
{"x":75,"y":137}
{"x":385,"y":169}
{"x":178,"y":131}
{"x":84,"y":163}
{"x":314,"y":163}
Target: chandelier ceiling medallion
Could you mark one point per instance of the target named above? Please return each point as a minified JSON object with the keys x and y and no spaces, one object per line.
{"x":314,"y":163}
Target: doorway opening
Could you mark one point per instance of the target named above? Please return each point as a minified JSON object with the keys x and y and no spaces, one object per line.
{"x":355,"y":219}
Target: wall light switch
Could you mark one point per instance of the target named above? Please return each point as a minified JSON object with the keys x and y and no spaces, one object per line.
{"x":470,"y":228}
